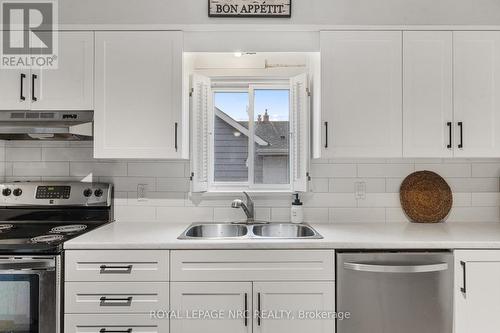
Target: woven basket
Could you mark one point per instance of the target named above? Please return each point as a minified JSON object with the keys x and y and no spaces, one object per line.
{"x":425,"y":197}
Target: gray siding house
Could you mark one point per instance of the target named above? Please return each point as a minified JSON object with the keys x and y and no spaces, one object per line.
{"x":231,"y":150}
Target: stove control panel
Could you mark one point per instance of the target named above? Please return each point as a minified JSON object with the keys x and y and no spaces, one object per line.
{"x":56,"y":194}
{"x":53,"y":192}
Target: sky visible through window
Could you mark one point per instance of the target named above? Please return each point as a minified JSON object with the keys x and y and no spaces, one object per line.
{"x":235,"y":104}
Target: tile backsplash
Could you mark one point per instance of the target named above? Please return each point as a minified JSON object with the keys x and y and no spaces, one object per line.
{"x":475,"y":185}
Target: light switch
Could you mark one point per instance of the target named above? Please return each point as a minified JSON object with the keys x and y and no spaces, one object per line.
{"x":360,"y":190}
{"x":142,"y":192}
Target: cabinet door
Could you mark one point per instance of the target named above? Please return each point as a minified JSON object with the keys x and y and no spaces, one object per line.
{"x":14,"y":89}
{"x":361,"y":93}
{"x":477,"y":291}
{"x":138,"y":90}
{"x":282,"y":306}
{"x":428,"y":94}
{"x":209,"y":298}
{"x":477,"y":93}
{"x":70,"y":86}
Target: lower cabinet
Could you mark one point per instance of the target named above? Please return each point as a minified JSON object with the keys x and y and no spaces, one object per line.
{"x":211,"y":307}
{"x":477,"y":291}
{"x":114,"y":323}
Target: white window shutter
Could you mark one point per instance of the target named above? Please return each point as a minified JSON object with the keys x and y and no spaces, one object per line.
{"x":300,"y":131}
{"x":200,"y":103}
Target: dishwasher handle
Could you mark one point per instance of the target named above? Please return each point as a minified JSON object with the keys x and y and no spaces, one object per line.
{"x":375,"y":268}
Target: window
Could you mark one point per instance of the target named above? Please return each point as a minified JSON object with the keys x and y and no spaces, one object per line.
{"x":250,"y":136}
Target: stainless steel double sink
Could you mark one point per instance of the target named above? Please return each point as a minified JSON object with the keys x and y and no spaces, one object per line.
{"x":217,"y":231}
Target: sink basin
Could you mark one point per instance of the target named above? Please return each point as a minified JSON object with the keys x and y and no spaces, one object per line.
{"x":249,"y":231}
{"x":215,"y":231}
{"x":285,"y":230}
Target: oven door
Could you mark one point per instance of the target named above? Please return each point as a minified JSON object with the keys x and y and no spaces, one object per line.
{"x":29,"y":295}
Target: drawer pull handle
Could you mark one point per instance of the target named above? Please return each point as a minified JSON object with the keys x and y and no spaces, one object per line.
{"x":103,"y":330}
{"x":105,"y":301}
{"x":116,"y":269}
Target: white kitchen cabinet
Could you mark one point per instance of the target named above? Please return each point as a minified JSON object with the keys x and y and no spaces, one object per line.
{"x":428,"y":94}
{"x":293,"y":301}
{"x":477,"y":291}
{"x":117,"y":323}
{"x":70,"y":86}
{"x":232,"y":299}
{"x":361,"y":84}
{"x":14,"y":89}
{"x":477,"y":93}
{"x":138,"y":94}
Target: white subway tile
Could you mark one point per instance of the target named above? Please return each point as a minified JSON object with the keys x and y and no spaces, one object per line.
{"x":319,"y":185}
{"x":135,"y":213}
{"x":462,"y":199}
{"x":23,"y":154}
{"x":357,"y":215}
{"x":112,"y":168}
{"x":280,"y":214}
{"x":237,"y":215}
{"x":385,"y":170}
{"x":392,"y":185}
{"x":158,"y":199}
{"x":348,"y":185}
{"x":183,"y":215}
{"x":172,"y":184}
{"x":447,"y":170}
{"x":40,"y":169}
{"x":333,"y":170}
{"x":316,"y":215}
{"x":380,"y":200}
{"x":486,"y":199}
{"x":156,"y":169}
{"x":73,"y":154}
{"x":129,"y":183}
{"x":330,"y":200}
{"x":486,"y":170}
{"x":474,"y":214}
{"x":395,"y":215}
{"x":474,"y":184}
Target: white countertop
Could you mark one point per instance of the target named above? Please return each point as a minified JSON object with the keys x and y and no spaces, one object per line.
{"x":145,"y":235}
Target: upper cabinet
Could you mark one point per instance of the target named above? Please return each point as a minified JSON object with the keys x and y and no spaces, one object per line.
{"x":69,"y":87}
{"x":138,"y":94}
{"x":361,"y":94}
{"x":477,"y":93}
{"x":427,"y":94}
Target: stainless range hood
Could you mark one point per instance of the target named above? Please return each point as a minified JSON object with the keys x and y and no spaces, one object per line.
{"x":46,"y":125}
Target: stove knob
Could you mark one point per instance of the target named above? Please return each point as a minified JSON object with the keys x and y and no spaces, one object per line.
{"x":87,"y":192}
{"x":6,"y":192}
{"x":98,"y":193}
{"x":17,"y":192}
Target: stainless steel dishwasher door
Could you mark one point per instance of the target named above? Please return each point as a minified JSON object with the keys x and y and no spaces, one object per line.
{"x":395,"y":292}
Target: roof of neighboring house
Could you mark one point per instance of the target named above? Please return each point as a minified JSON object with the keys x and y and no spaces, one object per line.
{"x":271,"y":137}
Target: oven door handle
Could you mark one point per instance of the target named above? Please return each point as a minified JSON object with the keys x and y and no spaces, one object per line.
{"x":27,"y":265}
{"x":375,"y":268}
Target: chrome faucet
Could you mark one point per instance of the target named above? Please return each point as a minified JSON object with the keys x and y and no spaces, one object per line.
{"x":248,"y":208}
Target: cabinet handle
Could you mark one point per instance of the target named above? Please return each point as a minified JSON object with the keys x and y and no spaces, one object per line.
{"x":103,"y":330}
{"x":449,"y":134}
{"x":105,"y":269}
{"x":326,"y":134}
{"x":461,"y":126}
{"x":105,"y":301}
{"x":176,"y":129}
{"x":33,"y":78}
{"x":464,"y":272}
{"x":258,"y":309}
{"x":23,"y":76}
{"x":246,"y":310}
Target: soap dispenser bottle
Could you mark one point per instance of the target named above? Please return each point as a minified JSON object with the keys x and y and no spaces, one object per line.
{"x":297,"y":213}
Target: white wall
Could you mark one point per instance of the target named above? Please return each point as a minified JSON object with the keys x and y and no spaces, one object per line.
{"x":475,"y":185}
{"x":305,"y":12}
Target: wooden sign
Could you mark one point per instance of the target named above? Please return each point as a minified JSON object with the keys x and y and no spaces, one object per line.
{"x":250,"y":8}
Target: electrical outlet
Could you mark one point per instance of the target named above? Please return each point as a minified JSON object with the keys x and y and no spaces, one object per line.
{"x":142,"y":192}
{"x":360,"y":189}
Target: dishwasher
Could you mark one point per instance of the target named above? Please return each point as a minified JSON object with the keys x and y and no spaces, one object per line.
{"x":395,"y":292}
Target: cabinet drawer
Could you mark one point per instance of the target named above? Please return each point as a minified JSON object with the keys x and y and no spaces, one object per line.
{"x":115,"y":297}
{"x":122,"y":265}
{"x":105,"y":323}
{"x":252,"y":265}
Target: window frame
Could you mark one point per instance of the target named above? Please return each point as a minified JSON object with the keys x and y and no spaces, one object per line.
{"x":250,"y":186}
